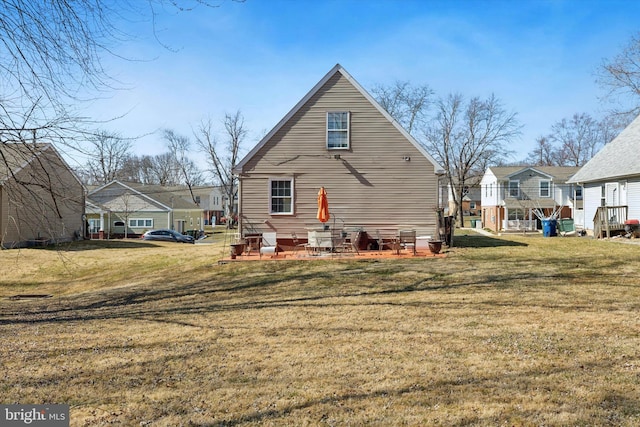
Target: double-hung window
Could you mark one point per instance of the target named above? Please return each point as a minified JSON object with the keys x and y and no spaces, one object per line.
{"x":281,"y":196}
{"x":337,"y":130}
{"x":545,"y":188}
{"x":514,"y":188}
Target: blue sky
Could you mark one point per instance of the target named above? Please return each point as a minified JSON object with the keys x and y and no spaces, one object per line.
{"x":263,"y":56}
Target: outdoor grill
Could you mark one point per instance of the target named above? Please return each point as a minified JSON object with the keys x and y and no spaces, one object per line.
{"x":632,"y":228}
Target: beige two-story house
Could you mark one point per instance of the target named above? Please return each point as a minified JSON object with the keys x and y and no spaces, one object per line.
{"x":375,"y":174}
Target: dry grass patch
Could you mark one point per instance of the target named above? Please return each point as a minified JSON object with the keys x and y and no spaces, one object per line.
{"x":511,"y":331}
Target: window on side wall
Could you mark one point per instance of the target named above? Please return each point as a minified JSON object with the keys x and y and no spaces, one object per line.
{"x":545,"y":188}
{"x":140,"y":222}
{"x":337,"y":130}
{"x":578,"y":192}
{"x":281,"y":196}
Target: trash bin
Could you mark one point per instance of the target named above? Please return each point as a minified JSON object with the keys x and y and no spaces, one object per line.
{"x":549,"y":227}
{"x":473,"y":223}
{"x":565,"y":225}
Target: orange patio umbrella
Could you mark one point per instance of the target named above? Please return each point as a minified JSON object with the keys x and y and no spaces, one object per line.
{"x":323,"y":206}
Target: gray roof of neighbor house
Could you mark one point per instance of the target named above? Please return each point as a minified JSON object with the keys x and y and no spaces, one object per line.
{"x":617,"y":159}
{"x":336,"y":69}
{"x":158,"y":193}
{"x":559,"y":173}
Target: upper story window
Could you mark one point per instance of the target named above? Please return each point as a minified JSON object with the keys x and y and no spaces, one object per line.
{"x":514,"y":188}
{"x":281,"y":196}
{"x":545,"y":188}
{"x":337,"y":129}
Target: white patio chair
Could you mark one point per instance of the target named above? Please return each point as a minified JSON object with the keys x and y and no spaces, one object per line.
{"x":269,"y":244}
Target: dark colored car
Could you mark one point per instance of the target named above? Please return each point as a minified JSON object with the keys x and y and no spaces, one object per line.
{"x":167,"y":236}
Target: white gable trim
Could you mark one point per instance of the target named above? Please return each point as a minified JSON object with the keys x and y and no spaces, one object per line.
{"x":507,"y":177}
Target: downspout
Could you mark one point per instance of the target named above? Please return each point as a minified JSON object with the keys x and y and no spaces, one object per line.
{"x":239,"y":205}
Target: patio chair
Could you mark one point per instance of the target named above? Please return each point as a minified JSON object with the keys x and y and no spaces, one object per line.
{"x":388,"y":241}
{"x":269,"y":244}
{"x":407,"y":239}
{"x":353,"y":242}
{"x":297,"y":245}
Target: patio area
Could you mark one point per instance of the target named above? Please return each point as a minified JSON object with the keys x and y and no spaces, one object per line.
{"x":288,"y":253}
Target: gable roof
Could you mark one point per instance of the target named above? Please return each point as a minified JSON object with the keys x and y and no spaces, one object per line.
{"x":336,"y":69}
{"x":16,"y":156}
{"x":557,"y":173}
{"x":155,"y":193}
{"x":617,"y":159}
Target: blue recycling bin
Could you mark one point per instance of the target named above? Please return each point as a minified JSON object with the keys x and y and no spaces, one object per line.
{"x":549,"y":228}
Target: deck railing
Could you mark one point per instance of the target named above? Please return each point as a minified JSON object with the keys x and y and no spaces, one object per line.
{"x":608,"y":219}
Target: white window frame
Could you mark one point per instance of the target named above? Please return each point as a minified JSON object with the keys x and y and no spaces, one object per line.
{"x":146,"y":223}
{"x":343,"y":131}
{"x":95,"y":224}
{"x":290,"y":196}
{"x":548,"y":182}
{"x":577,"y":192}
{"x":517,"y":188}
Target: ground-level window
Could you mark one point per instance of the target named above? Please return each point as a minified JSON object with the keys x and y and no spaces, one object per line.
{"x":140,"y":222}
{"x":515,"y":214}
{"x":337,"y":129}
{"x":94,"y":225}
{"x":281,"y":196}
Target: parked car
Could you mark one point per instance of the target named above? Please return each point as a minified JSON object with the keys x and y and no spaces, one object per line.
{"x":167,"y":236}
{"x":196,"y":234}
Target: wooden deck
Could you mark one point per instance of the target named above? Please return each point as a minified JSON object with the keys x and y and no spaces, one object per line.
{"x":609,"y":220}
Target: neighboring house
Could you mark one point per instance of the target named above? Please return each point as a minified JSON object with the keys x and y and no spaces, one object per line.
{"x":338,"y":137}
{"x":471,"y":198}
{"x":41,"y":199}
{"x":210,"y":198}
{"x":512,"y":195}
{"x":117,"y":209}
{"x":611,"y":181}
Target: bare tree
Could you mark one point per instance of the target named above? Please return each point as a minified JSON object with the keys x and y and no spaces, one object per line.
{"x":545,"y":154}
{"x":463,"y":137}
{"x":108,"y":155}
{"x":223,"y":156}
{"x":179,"y":147}
{"x":405,"y":103}
{"x":577,"y":138}
{"x":620,"y":76}
{"x":51,"y":56}
{"x":164,"y":170}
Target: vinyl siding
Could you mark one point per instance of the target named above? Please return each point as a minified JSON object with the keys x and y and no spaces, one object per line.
{"x":45,"y":200}
{"x":125,"y":204}
{"x":369,"y":186}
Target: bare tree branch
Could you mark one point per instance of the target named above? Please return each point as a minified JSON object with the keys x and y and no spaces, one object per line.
{"x":465,"y":138}
{"x":223,"y":157}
